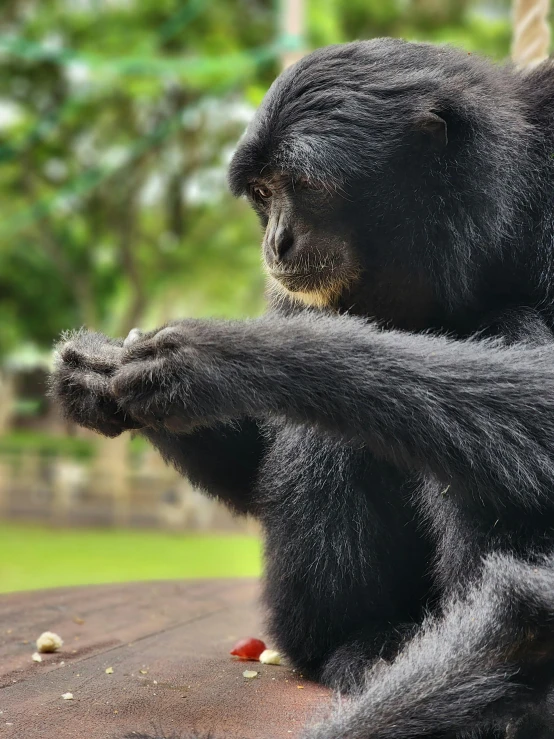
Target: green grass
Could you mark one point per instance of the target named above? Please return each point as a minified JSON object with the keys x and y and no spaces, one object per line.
{"x":34,"y":557}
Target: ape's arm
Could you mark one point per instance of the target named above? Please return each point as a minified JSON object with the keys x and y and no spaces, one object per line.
{"x":476,"y":413}
{"x":223,"y":460}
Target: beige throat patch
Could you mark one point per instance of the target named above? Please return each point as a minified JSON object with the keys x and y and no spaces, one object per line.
{"x":323,"y":298}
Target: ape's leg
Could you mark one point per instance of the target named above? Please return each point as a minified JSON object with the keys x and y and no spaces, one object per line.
{"x":347,"y":565}
{"x":482,"y":663}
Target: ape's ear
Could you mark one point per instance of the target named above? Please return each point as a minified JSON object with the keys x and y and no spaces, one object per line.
{"x":434,"y":127}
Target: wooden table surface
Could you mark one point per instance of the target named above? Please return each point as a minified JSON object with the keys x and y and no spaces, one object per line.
{"x":168,"y":645}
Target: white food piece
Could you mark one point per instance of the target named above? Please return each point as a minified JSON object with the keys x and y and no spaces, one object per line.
{"x":270,"y":657}
{"x":49,"y":642}
{"x":249,"y":674}
{"x":67,"y":696}
{"x":109,"y":670}
{"x":36,"y":657}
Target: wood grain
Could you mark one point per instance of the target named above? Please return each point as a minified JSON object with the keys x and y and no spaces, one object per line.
{"x":168,"y":644}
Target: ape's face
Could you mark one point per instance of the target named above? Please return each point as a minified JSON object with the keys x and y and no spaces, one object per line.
{"x":306,"y":249}
{"x":376,"y":169}
{"x":320,"y":166}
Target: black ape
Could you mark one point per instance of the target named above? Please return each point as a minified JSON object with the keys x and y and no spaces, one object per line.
{"x":390,"y":421}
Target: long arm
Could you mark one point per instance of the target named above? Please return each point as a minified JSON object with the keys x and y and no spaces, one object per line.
{"x":476,"y":413}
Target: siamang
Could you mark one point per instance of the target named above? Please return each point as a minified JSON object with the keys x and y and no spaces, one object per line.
{"x":390,"y":419}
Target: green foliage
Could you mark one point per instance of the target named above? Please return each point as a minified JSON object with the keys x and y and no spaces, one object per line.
{"x":120,"y":110}
{"x":123,"y":115}
{"x":44,"y":444}
{"x":479,"y":27}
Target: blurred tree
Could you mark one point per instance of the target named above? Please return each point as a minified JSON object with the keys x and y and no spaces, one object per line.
{"x":477,"y":26}
{"x":117,"y":119}
{"x":112,"y":158}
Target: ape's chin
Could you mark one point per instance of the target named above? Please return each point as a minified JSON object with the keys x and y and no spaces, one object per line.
{"x":315,"y":285}
{"x":316,"y":293}
{"x":307,"y":281}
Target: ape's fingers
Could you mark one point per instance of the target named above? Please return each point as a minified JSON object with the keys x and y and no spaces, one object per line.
{"x":163,"y":341}
{"x":139,"y":379}
{"x":68,"y":381}
{"x":85,"y":398}
{"x":147,"y":391}
{"x":98,"y":413}
{"x":134,"y":335}
{"x":89,"y":350}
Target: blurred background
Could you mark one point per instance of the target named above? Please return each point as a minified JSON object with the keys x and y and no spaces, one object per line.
{"x":117,"y":121}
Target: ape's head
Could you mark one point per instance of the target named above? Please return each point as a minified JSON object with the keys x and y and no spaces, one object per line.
{"x":381,"y":166}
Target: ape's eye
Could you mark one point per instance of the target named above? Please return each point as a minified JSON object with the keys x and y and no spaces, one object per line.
{"x":260,"y":193}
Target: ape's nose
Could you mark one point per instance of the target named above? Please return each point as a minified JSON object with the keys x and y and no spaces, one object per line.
{"x":282,"y":243}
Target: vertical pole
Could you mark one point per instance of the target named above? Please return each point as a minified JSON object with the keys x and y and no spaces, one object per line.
{"x":7,"y":399}
{"x":292,"y":31}
{"x":531,"y":37}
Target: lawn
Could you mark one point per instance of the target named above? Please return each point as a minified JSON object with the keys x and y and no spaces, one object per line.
{"x":39,"y":557}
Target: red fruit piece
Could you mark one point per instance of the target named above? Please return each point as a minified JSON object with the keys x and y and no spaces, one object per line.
{"x":248,"y":648}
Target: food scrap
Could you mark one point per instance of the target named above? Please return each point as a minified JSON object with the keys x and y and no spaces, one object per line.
{"x":36,"y":657}
{"x":109,"y":670}
{"x":67,"y":696}
{"x":248,"y":648}
{"x":249,"y":674}
{"x":49,"y":642}
{"x":270,"y":657}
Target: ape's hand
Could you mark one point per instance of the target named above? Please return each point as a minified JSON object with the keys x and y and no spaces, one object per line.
{"x":84,"y":365}
{"x":176,"y":377}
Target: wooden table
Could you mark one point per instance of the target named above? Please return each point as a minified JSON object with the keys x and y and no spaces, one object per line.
{"x":168,"y":645}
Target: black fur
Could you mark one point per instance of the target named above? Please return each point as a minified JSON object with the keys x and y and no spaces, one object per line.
{"x":402,"y":466}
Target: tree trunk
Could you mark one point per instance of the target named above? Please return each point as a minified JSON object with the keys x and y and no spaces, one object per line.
{"x":7,"y":400}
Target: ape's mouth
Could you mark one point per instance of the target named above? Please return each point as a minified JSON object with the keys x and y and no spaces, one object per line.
{"x":318,"y":278}
{"x":312,"y":275}
{"x":319,"y":285}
